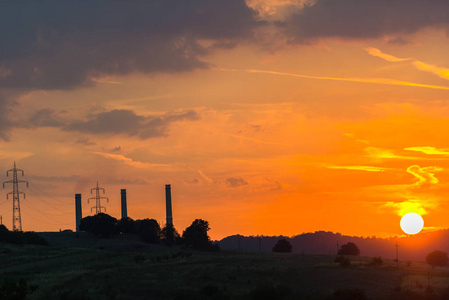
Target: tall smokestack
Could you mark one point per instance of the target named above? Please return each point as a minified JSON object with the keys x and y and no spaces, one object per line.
{"x":168,"y":204}
{"x":79,"y":211}
{"x":124,"y":209}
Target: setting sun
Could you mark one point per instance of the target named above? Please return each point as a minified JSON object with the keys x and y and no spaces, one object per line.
{"x":412,"y":223}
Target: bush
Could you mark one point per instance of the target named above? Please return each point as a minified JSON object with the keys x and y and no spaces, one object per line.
{"x":19,"y":237}
{"x":376,"y":261}
{"x":437,"y":258}
{"x":339,"y":258}
{"x":282,"y":246}
{"x":127,"y":226}
{"x":345,"y":262}
{"x":100,"y":225}
{"x":149,"y":230}
{"x":349,"y":249}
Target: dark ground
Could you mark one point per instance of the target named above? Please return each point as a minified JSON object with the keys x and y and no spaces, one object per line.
{"x":82,"y":267}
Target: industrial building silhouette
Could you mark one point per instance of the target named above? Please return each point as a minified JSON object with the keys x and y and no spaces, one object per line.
{"x":124,"y":209}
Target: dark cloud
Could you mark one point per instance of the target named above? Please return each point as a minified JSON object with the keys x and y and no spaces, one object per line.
{"x":6,"y":104}
{"x":62,"y":44}
{"x":235,"y":182}
{"x":360,"y":19}
{"x":85,"y":141}
{"x":123,"y":181}
{"x":44,"y":118}
{"x":117,"y":149}
{"x":128,"y":123}
{"x":192,"y":181}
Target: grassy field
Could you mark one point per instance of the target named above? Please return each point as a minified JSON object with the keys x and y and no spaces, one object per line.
{"x":81,"y":267}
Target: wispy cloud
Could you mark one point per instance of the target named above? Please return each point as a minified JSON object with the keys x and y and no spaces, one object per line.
{"x":425,"y":175}
{"x":105,"y":80}
{"x":14,"y":155}
{"x":440,"y":72}
{"x":408,"y":207}
{"x":422,"y":66}
{"x":429,"y":150}
{"x":128,"y":161}
{"x":205,"y":177}
{"x":359,"y":168}
{"x":381,"y":153}
{"x":378,"y":53}
{"x":241,"y":137}
{"x":384,"y":81}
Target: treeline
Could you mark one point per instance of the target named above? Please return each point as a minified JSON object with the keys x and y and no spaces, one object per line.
{"x":148,"y":230}
{"x":414,"y":247}
{"x":20,"y":238}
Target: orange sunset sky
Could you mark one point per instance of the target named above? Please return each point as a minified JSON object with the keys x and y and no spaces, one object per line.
{"x":266,"y":117}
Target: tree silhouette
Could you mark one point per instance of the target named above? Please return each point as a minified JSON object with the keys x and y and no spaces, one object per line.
{"x":169,"y":233}
{"x":127,"y":225}
{"x":196,"y":235}
{"x":437,"y":258}
{"x":282,"y":246}
{"x":102,"y":225}
{"x":149,"y":230}
{"x":349,"y":249}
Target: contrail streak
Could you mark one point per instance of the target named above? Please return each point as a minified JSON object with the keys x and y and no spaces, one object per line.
{"x":362,"y":80}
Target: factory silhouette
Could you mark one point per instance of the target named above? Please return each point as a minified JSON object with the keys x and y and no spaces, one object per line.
{"x":97,"y":198}
{"x":124,"y":210}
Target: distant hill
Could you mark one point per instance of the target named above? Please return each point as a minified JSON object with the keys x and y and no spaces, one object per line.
{"x":413,"y":247}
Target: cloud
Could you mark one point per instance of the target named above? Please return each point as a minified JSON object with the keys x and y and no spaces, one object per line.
{"x":192,"y":181}
{"x":60,"y":45}
{"x":363,"y":19}
{"x":128,"y":161}
{"x":117,"y":149}
{"x":425,"y":176}
{"x":10,"y":155}
{"x":85,"y":141}
{"x":440,"y":72}
{"x":7,"y":102}
{"x":126,"y":181}
{"x":409,"y":206}
{"x":205,"y":177}
{"x":378,"y":53}
{"x":360,"y":168}
{"x":44,"y":118}
{"x":234,"y":182}
{"x":422,"y":66}
{"x":381,"y":153}
{"x":120,"y":121}
{"x":429,"y":150}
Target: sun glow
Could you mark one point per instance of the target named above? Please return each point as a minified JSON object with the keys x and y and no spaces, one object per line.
{"x":412,"y":223}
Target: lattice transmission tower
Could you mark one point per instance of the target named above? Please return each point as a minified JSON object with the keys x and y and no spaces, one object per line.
{"x":16,"y":218}
{"x":97,"y":198}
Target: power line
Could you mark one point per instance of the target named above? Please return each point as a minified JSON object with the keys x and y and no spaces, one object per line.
{"x":38,"y":192}
{"x":39,"y":198}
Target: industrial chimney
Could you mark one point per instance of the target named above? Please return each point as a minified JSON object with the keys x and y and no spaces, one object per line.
{"x":168,"y":204}
{"x":78,"y":210}
{"x":124,"y":209}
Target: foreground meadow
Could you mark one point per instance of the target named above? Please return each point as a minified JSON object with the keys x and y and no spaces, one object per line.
{"x":81,"y":267}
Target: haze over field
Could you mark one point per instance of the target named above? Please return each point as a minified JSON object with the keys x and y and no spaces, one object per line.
{"x":266,"y":117}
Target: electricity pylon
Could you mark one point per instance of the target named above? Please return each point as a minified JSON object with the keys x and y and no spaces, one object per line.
{"x":16,"y":218}
{"x":97,"y":198}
